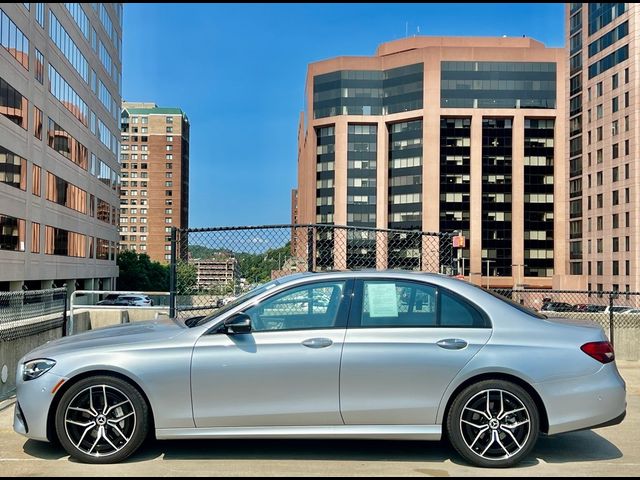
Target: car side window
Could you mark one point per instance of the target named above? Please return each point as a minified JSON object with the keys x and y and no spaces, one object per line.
{"x":456,"y":313}
{"x":392,"y":303}
{"x":310,"y":306}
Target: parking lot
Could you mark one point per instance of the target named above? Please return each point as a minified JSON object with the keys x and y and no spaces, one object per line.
{"x":612,"y":451}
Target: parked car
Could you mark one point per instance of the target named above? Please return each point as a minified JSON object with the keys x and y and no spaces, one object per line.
{"x":134,"y":300}
{"x":451,"y":360}
{"x":617,"y":309}
{"x":126,"y":299}
{"x":557,"y":307}
{"x":590,"y":308}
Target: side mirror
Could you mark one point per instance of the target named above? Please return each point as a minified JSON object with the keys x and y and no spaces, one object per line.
{"x":239,"y":323}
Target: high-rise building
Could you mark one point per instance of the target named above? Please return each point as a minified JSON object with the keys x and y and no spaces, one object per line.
{"x":60,"y":90}
{"x":155,"y":177}
{"x":603,"y":88}
{"x":443,"y":134}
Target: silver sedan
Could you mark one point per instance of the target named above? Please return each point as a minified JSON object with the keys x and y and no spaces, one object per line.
{"x":377,"y":355}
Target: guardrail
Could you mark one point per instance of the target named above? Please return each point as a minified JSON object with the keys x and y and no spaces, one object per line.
{"x":74,"y":306}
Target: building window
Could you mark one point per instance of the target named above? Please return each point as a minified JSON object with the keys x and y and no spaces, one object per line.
{"x":39,"y":70}
{"x":35,"y":237}
{"x":13,"y":40}
{"x":13,"y":105}
{"x":13,"y":169}
{"x":36,"y":173}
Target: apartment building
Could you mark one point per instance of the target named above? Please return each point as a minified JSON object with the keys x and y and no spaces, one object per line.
{"x":603,"y":88}
{"x":155,"y":177}
{"x":442,"y":134}
{"x":60,"y":90}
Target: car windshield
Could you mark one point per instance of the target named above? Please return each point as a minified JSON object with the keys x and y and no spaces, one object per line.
{"x":234,"y":303}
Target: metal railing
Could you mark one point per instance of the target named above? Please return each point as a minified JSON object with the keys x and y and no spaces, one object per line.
{"x":25,"y":313}
{"x":74,"y":305}
{"x":209,"y":265}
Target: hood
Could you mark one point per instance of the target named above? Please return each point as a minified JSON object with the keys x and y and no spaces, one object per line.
{"x":115,"y":336}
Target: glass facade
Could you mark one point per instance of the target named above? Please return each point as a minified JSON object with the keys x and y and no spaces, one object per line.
{"x":67,"y":96}
{"x":68,"y":47}
{"x":361,"y":193}
{"x":602,"y":14}
{"x":13,"y":169}
{"x":13,"y":40}
{"x":610,"y":61}
{"x":12,"y":233}
{"x":497,"y":144}
{"x":13,"y":105}
{"x":498,"y":85}
{"x":66,"y":145}
{"x":368,"y":92}
{"x":538,"y":197}
{"x":405,"y":192}
{"x":58,"y":241}
{"x":608,"y":39}
{"x":64,"y":193}
{"x":455,"y":181}
{"x":325,"y":193}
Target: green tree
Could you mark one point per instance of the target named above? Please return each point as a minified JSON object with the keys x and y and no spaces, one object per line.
{"x":139,"y":273}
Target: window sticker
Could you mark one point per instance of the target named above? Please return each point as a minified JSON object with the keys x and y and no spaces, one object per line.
{"x":383,"y":301}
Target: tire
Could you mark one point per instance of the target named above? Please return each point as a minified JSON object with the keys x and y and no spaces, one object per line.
{"x":89,"y":434}
{"x":480,"y":432}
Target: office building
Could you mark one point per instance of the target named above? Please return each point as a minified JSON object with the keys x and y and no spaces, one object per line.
{"x":60,"y":90}
{"x":442,"y":134}
{"x":603,"y":149}
{"x":155,"y":177}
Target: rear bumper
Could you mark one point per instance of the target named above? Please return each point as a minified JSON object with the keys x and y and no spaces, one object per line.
{"x":594,"y":401}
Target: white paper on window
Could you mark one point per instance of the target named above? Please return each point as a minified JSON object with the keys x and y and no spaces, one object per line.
{"x":383,"y":301}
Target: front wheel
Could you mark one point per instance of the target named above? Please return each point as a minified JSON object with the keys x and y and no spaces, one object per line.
{"x":493,"y":423}
{"x":101,"y":419}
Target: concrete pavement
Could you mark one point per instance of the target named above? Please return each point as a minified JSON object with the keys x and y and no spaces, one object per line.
{"x":611,"y":451}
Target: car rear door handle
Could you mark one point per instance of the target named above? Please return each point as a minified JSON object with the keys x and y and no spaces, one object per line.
{"x":452,"y":343}
{"x":317,"y":342}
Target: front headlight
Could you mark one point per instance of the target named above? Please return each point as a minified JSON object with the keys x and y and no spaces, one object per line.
{"x":35,"y":368}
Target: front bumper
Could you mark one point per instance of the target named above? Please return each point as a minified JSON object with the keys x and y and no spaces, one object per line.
{"x":594,"y":401}
{"x":33,"y":401}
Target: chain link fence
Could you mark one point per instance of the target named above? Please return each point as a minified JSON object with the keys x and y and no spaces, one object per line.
{"x":211,"y":265}
{"x":26,"y":313}
{"x":618,"y":313}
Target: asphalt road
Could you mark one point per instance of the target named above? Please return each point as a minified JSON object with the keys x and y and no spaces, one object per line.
{"x":611,"y":451}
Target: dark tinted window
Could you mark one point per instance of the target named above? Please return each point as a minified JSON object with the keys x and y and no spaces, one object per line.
{"x":455,"y":312}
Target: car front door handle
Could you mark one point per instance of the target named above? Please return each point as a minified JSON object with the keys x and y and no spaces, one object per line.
{"x":452,"y":343}
{"x":317,"y":342}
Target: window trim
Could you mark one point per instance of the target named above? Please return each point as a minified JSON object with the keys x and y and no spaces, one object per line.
{"x":355,"y":314}
{"x":341,"y":316}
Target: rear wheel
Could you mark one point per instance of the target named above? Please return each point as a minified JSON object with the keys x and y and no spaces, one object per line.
{"x":493,"y":423}
{"x":101,"y":419}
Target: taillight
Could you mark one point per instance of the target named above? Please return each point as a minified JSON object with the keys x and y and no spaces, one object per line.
{"x":601,"y":351}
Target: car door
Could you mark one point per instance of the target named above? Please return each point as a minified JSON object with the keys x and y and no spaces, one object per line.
{"x":405,"y":343}
{"x":285,"y":372}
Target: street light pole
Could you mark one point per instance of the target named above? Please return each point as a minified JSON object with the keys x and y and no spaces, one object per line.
{"x":488,"y":262}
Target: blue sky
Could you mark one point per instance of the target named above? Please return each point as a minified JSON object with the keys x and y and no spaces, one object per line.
{"x":238,"y":71}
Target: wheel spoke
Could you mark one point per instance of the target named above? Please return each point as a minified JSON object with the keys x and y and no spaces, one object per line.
{"x":478,"y":436}
{"x":84,"y":434}
{"x":115,"y":427}
{"x":517,"y":424}
{"x":80,"y":424}
{"x":83,"y":410}
{"x":474,"y":425}
{"x":93,"y":410}
{"x":119,"y":419}
{"x":106,"y":437}
{"x":105,"y":406}
{"x":511,"y":412}
{"x":488,"y":404}
{"x":501,"y":404}
{"x":508,"y":432}
{"x":497,"y":435}
{"x":98,"y":437}
{"x":493,"y":438}
{"x":113,"y":407}
{"x":484,"y":414}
